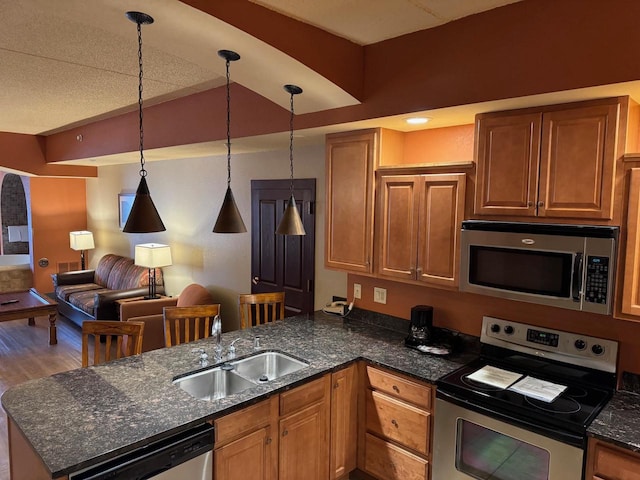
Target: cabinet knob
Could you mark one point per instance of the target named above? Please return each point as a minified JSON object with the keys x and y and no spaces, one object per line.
{"x":268,"y":441}
{"x":394,"y":423}
{"x":541,"y":204}
{"x":396,"y":389}
{"x":529,"y":203}
{"x":285,"y":433}
{"x":336,"y":385}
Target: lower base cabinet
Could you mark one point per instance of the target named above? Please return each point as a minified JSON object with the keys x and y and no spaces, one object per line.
{"x":395,"y":434}
{"x":608,"y":462}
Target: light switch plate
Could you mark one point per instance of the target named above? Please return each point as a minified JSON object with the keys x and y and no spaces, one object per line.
{"x":379,"y":295}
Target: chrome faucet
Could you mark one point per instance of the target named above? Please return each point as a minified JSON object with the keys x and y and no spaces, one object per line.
{"x":216,"y":330}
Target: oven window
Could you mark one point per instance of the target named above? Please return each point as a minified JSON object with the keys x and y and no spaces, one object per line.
{"x":488,"y":455}
{"x":529,"y":271}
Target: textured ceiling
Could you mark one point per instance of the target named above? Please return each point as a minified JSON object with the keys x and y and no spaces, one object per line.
{"x":66,"y":62}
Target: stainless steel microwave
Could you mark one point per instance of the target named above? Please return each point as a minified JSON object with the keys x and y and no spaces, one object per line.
{"x":566,"y":266}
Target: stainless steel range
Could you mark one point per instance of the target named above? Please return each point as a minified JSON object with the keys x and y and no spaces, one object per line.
{"x":521,"y":411}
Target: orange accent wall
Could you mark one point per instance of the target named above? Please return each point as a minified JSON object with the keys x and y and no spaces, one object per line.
{"x":463,"y":312}
{"x":58,"y":206}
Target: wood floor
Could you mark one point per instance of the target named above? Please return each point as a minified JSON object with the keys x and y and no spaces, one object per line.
{"x":25,"y":354}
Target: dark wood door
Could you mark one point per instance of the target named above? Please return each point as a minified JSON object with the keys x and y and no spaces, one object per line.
{"x":282,"y":262}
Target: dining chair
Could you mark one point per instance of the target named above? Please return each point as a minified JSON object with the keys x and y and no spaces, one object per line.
{"x":187,"y":324}
{"x":260,"y":308}
{"x":128,"y":340}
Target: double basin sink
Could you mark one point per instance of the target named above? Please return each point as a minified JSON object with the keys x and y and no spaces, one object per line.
{"x":239,"y":375}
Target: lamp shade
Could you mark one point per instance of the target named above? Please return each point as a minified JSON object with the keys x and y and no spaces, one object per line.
{"x":152,"y":255}
{"x":81,"y":240}
{"x":144,"y":217}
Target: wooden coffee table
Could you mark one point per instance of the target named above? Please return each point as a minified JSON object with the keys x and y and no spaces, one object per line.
{"x":29,"y":304}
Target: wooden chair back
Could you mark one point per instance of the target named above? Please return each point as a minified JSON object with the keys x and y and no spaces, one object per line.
{"x":260,"y":308}
{"x":187,"y":324}
{"x":103,"y":332}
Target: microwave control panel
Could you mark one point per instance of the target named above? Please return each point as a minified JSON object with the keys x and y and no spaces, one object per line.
{"x":597,"y":282}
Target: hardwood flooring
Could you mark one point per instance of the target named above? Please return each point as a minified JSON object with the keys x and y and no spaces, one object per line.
{"x":25,"y":354}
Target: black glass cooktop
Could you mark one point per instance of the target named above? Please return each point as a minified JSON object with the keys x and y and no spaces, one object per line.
{"x":573,"y":410}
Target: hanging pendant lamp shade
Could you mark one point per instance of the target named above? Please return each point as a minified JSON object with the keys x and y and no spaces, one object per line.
{"x":229,"y":219}
{"x":144,"y":217}
{"x":291,"y":223}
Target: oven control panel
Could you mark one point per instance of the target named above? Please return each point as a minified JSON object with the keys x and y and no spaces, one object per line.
{"x":567,"y":347}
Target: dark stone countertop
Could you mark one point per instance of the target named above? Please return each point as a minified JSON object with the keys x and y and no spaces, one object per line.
{"x":82,"y":417}
{"x":619,"y":421}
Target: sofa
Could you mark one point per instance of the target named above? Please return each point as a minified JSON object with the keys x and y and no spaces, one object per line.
{"x":150,"y":312}
{"x":91,"y":294}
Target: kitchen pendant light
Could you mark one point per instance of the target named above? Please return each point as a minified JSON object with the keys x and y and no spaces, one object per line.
{"x":291,"y":223}
{"x":144,"y":217}
{"x":229,"y":219}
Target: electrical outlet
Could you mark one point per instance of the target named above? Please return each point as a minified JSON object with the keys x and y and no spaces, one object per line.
{"x":357,"y":291}
{"x":379,"y":295}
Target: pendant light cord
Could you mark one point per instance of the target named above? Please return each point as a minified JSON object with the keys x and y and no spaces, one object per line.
{"x":228,"y":128}
{"x":143,"y":172}
{"x":291,"y":147}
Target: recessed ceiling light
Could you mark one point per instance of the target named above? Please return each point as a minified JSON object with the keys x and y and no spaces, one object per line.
{"x":417,"y":120}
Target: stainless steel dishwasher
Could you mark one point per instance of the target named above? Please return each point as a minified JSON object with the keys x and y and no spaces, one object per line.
{"x":187,"y":455}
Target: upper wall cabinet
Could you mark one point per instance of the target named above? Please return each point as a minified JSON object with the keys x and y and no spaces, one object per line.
{"x":351,"y":159}
{"x":550,"y":162}
{"x":419,"y":227}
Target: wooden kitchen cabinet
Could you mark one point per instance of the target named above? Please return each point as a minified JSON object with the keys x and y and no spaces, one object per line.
{"x":418,"y":237}
{"x":631,"y":279}
{"x":396,"y":431}
{"x":304,"y":431}
{"x":557,"y":161}
{"x":344,"y":422}
{"x":351,"y":160}
{"x":245,"y":446}
{"x":608,"y":462}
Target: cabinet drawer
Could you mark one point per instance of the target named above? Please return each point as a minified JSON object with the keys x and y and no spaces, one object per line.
{"x":305,"y":395}
{"x":390,"y":462}
{"x":398,"y":421}
{"x":400,"y":387}
{"x":243,"y":421}
{"x":615,"y":465}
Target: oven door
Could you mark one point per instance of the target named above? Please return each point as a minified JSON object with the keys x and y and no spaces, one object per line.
{"x":470,"y":445}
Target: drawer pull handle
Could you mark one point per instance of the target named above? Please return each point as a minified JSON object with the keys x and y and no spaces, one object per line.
{"x":285,"y":433}
{"x":396,"y":389}
{"x":394,"y":423}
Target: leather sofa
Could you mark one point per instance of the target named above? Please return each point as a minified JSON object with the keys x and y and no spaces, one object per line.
{"x":91,"y":294}
{"x":150,"y":312}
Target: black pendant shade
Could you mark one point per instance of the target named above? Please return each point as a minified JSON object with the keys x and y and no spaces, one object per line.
{"x":144,"y":217}
{"x":229,"y":219}
{"x":291,"y":223}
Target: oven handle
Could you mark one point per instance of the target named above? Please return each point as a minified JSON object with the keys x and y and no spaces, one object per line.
{"x":576,"y":284}
{"x":570,"y":438}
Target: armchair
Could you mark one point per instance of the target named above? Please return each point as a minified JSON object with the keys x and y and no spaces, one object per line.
{"x":150,"y":312}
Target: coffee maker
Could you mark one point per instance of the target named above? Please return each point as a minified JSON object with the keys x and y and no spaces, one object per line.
{"x":420,"y":327}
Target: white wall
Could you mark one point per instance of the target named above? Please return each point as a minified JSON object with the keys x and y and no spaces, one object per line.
{"x":188,"y":194}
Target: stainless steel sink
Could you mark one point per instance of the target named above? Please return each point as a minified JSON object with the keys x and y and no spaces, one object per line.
{"x":239,"y":375}
{"x":213,"y":384}
{"x":267,"y":366}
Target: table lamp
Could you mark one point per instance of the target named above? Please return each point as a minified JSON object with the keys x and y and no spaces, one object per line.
{"x":81,"y":240}
{"x":152,"y":256}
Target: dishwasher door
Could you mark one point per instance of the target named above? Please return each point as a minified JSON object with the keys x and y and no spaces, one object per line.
{"x":187,"y":455}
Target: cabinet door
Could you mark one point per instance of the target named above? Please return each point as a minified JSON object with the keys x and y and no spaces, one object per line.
{"x":398,"y":207}
{"x":508,"y":152}
{"x":631,"y":280}
{"x":440,"y":216}
{"x":606,"y":461}
{"x":349,"y":214}
{"x":304,"y":445}
{"x":344,"y":415}
{"x":251,"y":456}
{"x":577,"y":162}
